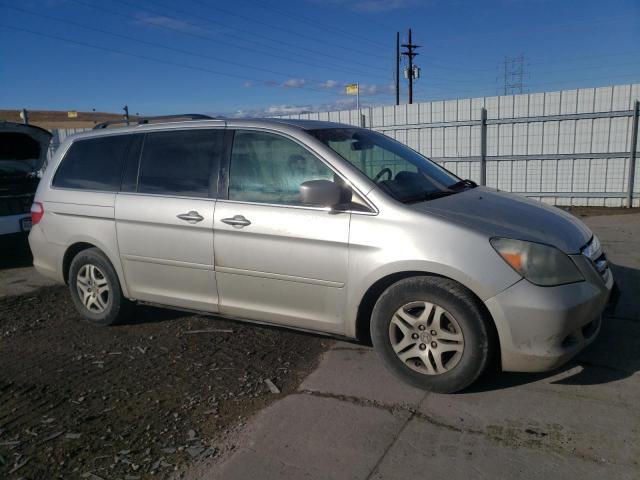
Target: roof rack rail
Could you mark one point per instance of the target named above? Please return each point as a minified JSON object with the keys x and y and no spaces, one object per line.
{"x":146,"y":120}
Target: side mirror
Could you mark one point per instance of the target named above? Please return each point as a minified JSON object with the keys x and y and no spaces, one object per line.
{"x":323,"y":193}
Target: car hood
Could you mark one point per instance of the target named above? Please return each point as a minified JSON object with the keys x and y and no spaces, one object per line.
{"x":501,"y":214}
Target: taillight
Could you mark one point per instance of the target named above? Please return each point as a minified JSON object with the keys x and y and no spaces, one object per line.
{"x":37,"y":212}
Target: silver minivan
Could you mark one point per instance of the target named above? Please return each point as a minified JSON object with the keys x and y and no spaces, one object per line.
{"x":322,"y":227}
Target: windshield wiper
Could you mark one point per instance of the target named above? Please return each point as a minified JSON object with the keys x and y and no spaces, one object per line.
{"x":426,"y":196}
{"x":463,"y":183}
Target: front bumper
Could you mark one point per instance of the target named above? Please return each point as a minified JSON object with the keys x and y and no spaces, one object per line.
{"x":540,"y":328}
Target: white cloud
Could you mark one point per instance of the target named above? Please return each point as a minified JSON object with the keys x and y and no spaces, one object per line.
{"x":247,"y":84}
{"x":376,"y":88}
{"x":295,"y":83}
{"x":273,"y":111}
{"x":329,"y":84}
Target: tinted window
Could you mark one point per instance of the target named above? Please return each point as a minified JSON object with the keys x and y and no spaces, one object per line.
{"x":180,"y":162}
{"x":94,"y":164}
{"x":268,"y":168}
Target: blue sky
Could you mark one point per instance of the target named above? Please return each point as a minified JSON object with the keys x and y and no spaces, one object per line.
{"x":267,"y":56}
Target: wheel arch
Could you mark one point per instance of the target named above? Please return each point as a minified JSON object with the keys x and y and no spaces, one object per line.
{"x":369,"y":299}
{"x":83,"y":244}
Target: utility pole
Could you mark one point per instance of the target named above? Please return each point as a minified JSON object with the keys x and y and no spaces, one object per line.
{"x":411,"y":73}
{"x":397,"y":68}
{"x":513,"y":75}
{"x":126,"y":114}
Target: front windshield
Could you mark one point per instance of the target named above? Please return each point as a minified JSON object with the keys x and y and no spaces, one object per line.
{"x":399,"y":171}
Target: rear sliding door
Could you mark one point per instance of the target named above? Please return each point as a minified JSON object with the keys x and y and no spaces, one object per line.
{"x":165,"y":221}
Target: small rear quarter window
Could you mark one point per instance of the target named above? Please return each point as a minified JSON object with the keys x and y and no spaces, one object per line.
{"x":94,"y":164}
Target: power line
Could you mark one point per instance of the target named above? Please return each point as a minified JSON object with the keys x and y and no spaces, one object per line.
{"x":147,"y":42}
{"x":314,"y":23}
{"x":286,"y":30}
{"x":204,"y":37}
{"x":450,"y":81}
{"x":247,"y":35}
{"x":480,"y":89}
{"x":153,"y":59}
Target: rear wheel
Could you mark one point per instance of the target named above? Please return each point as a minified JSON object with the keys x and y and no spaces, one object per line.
{"x":432,"y":333}
{"x":95,"y":288}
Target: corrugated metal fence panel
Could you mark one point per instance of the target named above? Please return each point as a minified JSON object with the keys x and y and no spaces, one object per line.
{"x":434,"y":129}
{"x":58,"y":135}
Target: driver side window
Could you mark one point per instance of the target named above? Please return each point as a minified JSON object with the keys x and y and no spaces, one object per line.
{"x":269,"y":168}
{"x":373,"y":160}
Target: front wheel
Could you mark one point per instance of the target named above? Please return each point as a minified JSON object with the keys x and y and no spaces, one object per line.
{"x":95,"y":288}
{"x":432,"y":333}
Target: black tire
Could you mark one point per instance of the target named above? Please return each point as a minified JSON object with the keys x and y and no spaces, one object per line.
{"x":469,"y":315}
{"x":117,"y":306}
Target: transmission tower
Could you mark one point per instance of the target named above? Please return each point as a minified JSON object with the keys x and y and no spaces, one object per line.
{"x":514,"y":74}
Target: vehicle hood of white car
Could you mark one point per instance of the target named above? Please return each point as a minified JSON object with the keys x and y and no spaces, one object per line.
{"x":502,"y":214}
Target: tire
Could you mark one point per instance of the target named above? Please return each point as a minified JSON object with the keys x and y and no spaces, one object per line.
{"x":89,"y":273}
{"x":465,"y":343}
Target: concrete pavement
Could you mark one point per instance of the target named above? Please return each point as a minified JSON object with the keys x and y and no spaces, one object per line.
{"x":350,"y":419}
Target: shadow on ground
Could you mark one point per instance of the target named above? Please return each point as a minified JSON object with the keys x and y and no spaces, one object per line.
{"x":615,"y":354}
{"x":15,"y":251}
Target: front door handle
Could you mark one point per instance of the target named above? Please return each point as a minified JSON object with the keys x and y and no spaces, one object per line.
{"x":237,"y":221}
{"x":191,"y":217}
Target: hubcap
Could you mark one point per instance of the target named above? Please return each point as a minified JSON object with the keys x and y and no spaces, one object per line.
{"x":426,"y":338}
{"x":93,"y":288}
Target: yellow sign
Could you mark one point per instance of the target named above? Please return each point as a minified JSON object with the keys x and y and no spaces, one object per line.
{"x":72,"y":114}
{"x":352,"y":89}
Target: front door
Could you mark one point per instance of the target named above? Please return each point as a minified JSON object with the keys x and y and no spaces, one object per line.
{"x":277,"y":260}
{"x":165,"y":224}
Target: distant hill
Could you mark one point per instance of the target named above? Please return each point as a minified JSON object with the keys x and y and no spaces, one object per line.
{"x":50,"y":119}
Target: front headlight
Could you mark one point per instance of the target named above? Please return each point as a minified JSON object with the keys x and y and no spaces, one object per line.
{"x":540,"y":264}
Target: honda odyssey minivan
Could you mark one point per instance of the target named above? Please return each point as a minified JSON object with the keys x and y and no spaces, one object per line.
{"x":321,"y":227}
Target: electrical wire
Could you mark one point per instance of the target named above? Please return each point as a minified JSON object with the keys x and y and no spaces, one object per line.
{"x":150,"y":43}
{"x":319,"y":25}
{"x":248,"y":35}
{"x":204,"y":37}
{"x":283,"y":29}
{"x":159,"y":60}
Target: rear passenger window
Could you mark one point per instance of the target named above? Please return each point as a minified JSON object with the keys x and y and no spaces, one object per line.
{"x":180,"y":162}
{"x":93,"y":164}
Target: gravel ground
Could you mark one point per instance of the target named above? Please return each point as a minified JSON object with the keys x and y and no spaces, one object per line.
{"x":139,"y":400}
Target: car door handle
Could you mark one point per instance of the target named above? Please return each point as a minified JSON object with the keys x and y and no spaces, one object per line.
{"x":191,"y":217}
{"x":237,"y":221}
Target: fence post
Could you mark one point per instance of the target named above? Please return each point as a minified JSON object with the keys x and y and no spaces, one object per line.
{"x":632,"y":154}
{"x":483,"y":146}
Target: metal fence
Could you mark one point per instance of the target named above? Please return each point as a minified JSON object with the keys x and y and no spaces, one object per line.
{"x":58,"y":136}
{"x":570,"y":147}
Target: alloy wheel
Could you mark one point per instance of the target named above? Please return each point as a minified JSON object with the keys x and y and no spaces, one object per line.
{"x":426,"y":337}
{"x":93,"y":288}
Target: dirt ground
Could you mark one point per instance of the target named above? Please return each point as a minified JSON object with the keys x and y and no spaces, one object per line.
{"x":138,"y":400}
{"x":59,"y":119}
